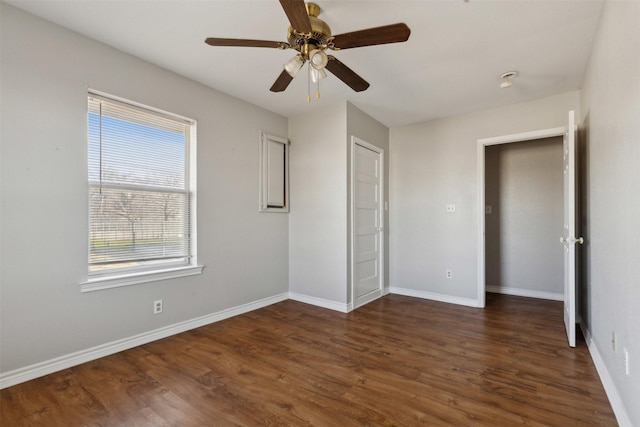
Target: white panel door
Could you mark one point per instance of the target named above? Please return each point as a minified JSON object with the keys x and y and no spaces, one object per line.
{"x":366,"y":223}
{"x":568,"y":239}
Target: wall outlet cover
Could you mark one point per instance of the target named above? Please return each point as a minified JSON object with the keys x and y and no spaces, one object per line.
{"x":157,"y":306}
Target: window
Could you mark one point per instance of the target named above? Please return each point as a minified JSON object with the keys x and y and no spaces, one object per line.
{"x":274,"y":174}
{"x":141,"y":192}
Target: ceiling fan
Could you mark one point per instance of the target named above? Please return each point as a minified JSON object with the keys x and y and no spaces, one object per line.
{"x":311,"y":37}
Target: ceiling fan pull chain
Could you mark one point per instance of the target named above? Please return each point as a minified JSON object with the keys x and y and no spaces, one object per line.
{"x":309,"y":84}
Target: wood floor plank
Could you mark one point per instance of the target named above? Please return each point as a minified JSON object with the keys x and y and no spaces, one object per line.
{"x":397,"y":361}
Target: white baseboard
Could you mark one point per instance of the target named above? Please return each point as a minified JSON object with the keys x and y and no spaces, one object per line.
{"x":17,"y":376}
{"x":607,"y":382}
{"x":433,"y":296}
{"x":525,"y":293}
{"x":321,"y":302}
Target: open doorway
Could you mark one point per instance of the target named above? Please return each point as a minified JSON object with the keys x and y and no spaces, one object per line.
{"x":483,"y":144}
{"x":568,"y":237}
{"x":524,"y":218}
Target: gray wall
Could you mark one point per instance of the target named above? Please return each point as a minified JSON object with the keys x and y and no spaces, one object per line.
{"x":319,"y":229}
{"x":46,"y":71}
{"x":318,"y":223}
{"x":611,"y":152}
{"x":433,"y":164}
{"x":524,"y":186}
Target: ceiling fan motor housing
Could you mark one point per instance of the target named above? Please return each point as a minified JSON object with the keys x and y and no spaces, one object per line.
{"x":319,"y":37}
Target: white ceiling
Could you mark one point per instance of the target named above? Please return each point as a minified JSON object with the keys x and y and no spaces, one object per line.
{"x":451,"y":63}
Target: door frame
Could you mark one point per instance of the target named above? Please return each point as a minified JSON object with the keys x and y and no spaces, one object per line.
{"x":482,"y":144}
{"x":381,"y":255}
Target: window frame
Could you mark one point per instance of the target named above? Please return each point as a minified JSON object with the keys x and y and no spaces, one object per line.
{"x":98,"y":280}
{"x":266,"y":171}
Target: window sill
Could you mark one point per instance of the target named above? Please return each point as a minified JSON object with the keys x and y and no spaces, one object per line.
{"x":100,"y":283}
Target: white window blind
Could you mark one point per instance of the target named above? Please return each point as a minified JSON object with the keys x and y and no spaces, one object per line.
{"x":139,"y":201}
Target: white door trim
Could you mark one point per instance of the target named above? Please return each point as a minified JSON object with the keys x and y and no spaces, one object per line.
{"x":357,"y":141}
{"x":482,"y":143}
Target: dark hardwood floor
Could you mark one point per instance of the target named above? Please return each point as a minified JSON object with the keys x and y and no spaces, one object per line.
{"x":397,"y":361}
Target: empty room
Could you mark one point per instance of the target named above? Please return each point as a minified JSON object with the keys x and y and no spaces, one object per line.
{"x":335,"y":213}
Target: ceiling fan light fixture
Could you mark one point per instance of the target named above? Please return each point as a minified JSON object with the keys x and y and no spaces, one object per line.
{"x":317,"y":75}
{"x":294,"y":65}
{"x":318,"y":59}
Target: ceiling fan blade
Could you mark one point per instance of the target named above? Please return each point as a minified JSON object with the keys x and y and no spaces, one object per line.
{"x":297,"y":14}
{"x":393,"y":33}
{"x":282,"y":82}
{"x":212,"y":41}
{"x":346,"y":74}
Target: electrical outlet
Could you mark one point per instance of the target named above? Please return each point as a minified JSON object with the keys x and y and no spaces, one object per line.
{"x":451,"y":208}
{"x":613,"y":341}
{"x":625,"y":354}
{"x":487,"y":209}
{"x":449,"y":274}
{"x":157,"y":306}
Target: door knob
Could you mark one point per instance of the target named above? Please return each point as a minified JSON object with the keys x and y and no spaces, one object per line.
{"x":572,"y":240}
